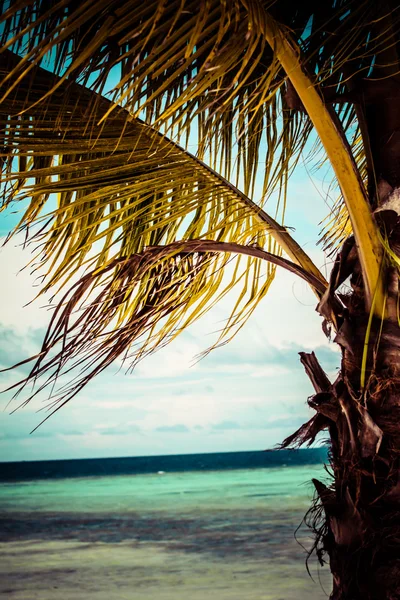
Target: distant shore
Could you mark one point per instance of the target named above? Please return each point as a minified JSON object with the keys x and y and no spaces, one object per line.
{"x":173,"y":463}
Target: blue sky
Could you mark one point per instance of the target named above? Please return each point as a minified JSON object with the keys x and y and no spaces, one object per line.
{"x":247,"y":395}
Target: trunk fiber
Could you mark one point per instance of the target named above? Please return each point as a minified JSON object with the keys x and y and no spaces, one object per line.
{"x":356,"y":520}
{"x":360,"y":530}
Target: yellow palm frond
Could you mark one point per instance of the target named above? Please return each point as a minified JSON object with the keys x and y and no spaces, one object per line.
{"x":121,"y":185}
{"x":99,"y":181}
{"x":218,"y":66}
{"x":122,"y":188}
{"x":201,"y":72}
{"x":337,"y":224}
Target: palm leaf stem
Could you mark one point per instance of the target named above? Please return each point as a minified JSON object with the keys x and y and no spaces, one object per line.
{"x":334,"y":142}
{"x":192,"y":246}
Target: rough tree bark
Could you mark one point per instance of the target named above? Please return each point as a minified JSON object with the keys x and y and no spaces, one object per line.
{"x":361,"y":409}
{"x":360,"y":530}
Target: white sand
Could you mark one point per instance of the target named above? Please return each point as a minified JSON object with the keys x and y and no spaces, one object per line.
{"x":70,"y":570}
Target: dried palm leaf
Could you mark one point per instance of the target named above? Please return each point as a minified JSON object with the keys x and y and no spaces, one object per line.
{"x":131,"y":307}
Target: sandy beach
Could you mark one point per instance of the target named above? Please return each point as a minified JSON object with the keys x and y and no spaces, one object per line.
{"x":67,"y":570}
{"x":215,"y":535}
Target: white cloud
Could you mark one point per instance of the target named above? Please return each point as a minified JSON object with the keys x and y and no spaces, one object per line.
{"x":173,"y":361}
{"x":255,"y":380}
{"x":269,"y":371}
{"x":17,"y":310}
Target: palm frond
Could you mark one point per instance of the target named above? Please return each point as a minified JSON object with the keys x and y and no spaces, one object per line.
{"x":121,"y":185}
{"x":121,"y":189}
{"x":211,"y":74}
{"x":338,"y":151}
{"x":169,"y":63}
{"x":131,"y":307}
{"x":337,"y":224}
{"x":203,"y":71}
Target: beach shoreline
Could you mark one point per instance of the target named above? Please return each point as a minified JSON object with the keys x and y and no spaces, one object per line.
{"x":69,"y":569}
{"x":204,"y":535}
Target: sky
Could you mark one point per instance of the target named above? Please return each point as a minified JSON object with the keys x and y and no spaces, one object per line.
{"x":247,"y":395}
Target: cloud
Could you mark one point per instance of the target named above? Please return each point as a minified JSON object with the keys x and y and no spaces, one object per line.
{"x":246,"y":395}
{"x":292,"y":421}
{"x":15,"y":347}
{"x":17,"y":311}
{"x":226,"y":426}
{"x":118,"y":429}
{"x":179,"y":428}
{"x":177,"y":359}
{"x":13,"y":434}
{"x":264,"y":354}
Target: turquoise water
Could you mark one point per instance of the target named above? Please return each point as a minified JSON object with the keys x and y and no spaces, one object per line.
{"x":201,"y":535}
{"x":262,"y":489}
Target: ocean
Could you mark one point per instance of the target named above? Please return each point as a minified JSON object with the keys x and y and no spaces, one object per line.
{"x":201,"y":527}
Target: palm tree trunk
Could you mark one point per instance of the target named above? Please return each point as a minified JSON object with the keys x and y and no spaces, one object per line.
{"x":359,"y":524}
{"x":361,"y":529}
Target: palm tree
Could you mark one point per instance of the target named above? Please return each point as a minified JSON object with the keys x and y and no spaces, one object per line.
{"x":146,"y":229}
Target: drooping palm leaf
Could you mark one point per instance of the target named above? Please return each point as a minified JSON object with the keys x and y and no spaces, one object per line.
{"x":121,"y":188}
{"x":337,"y":225}
{"x":170,"y":62}
{"x":201,"y":69}
{"x":125,"y":174}
{"x":113,"y":312}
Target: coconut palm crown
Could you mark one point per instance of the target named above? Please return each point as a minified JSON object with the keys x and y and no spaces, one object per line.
{"x":99,"y":103}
